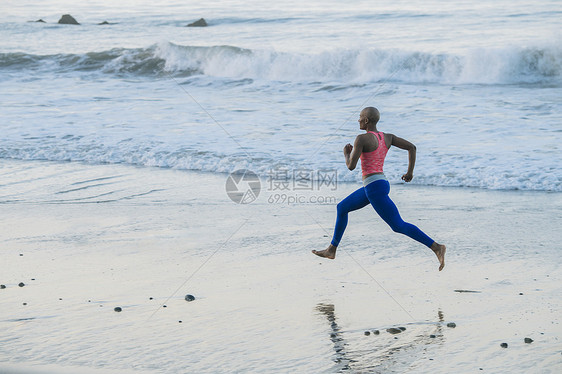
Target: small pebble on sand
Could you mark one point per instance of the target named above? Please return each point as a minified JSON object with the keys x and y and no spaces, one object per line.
{"x":367,"y":333}
{"x":503,"y":345}
{"x":21,"y":284}
{"x":432,"y":336}
{"x":189,"y":297}
{"x":402,"y":328}
{"x":376,"y":332}
{"x":393,"y":330}
{"x":2,"y":286}
{"x":451,"y":325}
{"x":528,"y":340}
{"x":117,"y":309}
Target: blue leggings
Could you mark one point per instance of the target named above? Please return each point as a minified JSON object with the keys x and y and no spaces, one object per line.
{"x":376,"y":193}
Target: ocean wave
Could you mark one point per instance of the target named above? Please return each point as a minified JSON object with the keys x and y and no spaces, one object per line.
{"x":494,"y":176}
{"x":509,"y":65}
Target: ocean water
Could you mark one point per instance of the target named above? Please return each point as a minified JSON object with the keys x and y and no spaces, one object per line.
{"x":477,"y":86}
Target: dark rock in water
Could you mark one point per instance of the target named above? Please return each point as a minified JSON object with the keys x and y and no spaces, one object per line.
{"x":2,"y":286}
{"x":528,"y":340}
{"x":104,"y":23}
{"x":451,"y":325}
{"x":21,"y":284}
{"x":432,"y":336}
{"x":402,"y":328}
{"x":39,"y":20}
{"x":393,"y":330}
{"x":199,"y":23}
{"x":117,"y":309}
{"x":376,"y":332}
{"x":67,"y":19}
{"x":367,"y":333}
{"x":503,"y":345}
{"x":189,"y":297}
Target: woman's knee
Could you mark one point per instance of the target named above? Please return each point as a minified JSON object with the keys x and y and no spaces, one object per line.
{"x":342,"y":208}
{"x":398,"y":226}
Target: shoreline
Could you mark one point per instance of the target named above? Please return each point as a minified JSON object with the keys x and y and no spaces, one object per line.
{"x":98,"y":237}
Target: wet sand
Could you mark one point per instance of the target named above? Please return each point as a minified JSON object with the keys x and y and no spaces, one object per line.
{"x":87,"y":239}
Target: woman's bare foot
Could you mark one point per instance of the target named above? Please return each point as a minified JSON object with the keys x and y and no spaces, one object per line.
{"x":439,"y":250}
{"x":329,"y":252}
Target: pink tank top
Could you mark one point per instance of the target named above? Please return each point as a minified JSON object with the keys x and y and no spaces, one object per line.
{"x":372,"y":162}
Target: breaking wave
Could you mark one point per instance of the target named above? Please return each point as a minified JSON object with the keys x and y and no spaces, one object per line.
{"x":509,"y":65}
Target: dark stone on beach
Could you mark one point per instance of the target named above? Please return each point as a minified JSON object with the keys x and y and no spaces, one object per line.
{"x":199,"y":23}
{"x":179,"y":321}
{"x":150,"y":298}
{"x":117,"y":309}
{"x":402,"y":328}
{"x":333,"y":335}
{"x":520,"y":293}
{"x":189,"y":297}
{"x":432,"y":336}
{"x":451,"y":325}
{"x":376,"y":332}
{"x":528,"y":340}
{"x":67,"y":19}
{"x":24,"y":303}
{"x":467,"y":291}
{"x":164,"y":306}
{"x":367,"y":333}
{"x":393,"y":330}
{"x":2,"y":286}
{"x":21,"y":254}
{"x":503,"y":345}
{"x":21,"y":284}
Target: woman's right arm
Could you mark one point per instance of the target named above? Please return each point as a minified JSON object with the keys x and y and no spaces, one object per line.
{"x":411,"y":148}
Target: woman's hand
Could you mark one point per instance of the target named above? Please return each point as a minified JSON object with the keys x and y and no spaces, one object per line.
{"x":347,"y":149}
{"x":407,"y":177}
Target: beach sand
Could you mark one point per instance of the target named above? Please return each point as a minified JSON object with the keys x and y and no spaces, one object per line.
{"x":87,"y":239}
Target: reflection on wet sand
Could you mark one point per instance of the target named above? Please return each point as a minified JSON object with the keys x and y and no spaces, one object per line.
{"x":342,"y":362}
{"x":358,"y":351}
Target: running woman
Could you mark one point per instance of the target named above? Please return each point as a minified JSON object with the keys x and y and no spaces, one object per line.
{"x":371,"y":148}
